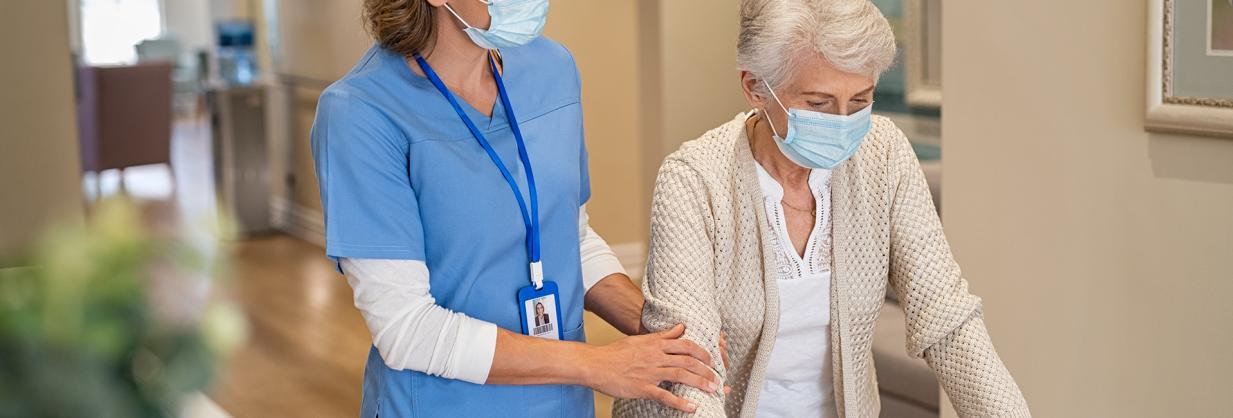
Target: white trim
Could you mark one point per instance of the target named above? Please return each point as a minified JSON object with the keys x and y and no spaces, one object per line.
{"x":920,"y":91}
{"x":198,"y":405}
{"x":632,"y":256}
{"x":298,"y":221}
{"x":1175,"y":118}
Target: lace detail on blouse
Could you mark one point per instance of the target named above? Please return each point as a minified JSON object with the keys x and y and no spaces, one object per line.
{"x":817,"y":259}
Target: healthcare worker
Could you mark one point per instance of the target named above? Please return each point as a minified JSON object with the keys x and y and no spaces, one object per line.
{"x":453,"y":177}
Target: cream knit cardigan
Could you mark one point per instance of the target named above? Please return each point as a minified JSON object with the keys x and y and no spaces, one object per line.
{"x":711,"y":267}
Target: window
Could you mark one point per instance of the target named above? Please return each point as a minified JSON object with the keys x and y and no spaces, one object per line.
{"x":111,"y":29}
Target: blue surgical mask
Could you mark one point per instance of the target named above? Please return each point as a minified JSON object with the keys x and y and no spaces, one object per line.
{"x":820,"y":140}
{"x":514,"y":23}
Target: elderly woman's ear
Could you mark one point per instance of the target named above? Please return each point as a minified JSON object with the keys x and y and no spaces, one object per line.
{"x":750,"y":88}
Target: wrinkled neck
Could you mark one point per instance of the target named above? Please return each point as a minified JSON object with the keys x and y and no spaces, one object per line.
{"x":767,"y":153}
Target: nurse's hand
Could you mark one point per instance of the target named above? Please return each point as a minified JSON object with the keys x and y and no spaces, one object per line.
{"x":634,"y":366}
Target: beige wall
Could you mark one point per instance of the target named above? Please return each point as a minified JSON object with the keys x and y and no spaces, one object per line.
{"x":38,"y":126}
{"x":602,"y":35}
{"x":1104,"y":253}
{"x":318,"y":39}
{"x":700,"y":83}
{"x":314,"y":43}
{"x":690,"y":82}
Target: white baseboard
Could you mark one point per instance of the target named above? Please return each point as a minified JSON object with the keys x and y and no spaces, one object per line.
{"x":309,"y":225}
{"x":197,"y":405}
{"x":298,"y":221}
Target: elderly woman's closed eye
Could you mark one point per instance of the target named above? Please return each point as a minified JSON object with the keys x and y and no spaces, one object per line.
{"x":784,"y":227}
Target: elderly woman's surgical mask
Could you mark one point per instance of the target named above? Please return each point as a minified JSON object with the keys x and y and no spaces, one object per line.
{"x":514,"y":23}
{"x":820,"y":140}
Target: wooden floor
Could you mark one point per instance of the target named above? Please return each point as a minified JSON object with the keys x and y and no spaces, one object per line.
{"x":307,"y":343}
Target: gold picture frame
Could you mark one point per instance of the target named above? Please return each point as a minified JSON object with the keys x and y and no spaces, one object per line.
{"x":1169,"y":112}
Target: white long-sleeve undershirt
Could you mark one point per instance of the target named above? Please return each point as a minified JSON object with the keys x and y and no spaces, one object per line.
{"x":412,"y":332}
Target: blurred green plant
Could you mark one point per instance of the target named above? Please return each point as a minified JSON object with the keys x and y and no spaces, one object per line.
{"x":113,"y":319}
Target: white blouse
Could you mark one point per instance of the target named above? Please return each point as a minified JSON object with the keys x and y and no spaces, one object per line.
{"x":798,"y":375}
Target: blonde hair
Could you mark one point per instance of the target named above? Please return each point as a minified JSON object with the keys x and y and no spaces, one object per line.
{"x":851,"y":35}
{"x":406,"y":27}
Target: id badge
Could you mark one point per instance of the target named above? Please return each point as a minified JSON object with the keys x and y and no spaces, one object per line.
{"x":541,"y":314}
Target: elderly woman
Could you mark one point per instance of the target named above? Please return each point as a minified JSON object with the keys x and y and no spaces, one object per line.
{"x":783,"y":228}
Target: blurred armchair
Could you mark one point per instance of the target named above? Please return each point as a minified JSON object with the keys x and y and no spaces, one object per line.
{"x":187,"y":74}
{"x":124,"y":116}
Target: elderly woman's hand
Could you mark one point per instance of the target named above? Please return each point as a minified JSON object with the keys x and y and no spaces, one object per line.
{"x":634,"y":367}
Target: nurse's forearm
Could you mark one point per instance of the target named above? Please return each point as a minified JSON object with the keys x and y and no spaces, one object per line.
{"x":619,"y":302}
{"x":632,"y":367}
{"x":525,"y":360}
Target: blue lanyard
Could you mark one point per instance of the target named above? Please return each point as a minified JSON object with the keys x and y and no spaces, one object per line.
{"x":530,"y":220}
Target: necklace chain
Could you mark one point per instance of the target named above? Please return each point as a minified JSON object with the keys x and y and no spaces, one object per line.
{"x":790,"y":206}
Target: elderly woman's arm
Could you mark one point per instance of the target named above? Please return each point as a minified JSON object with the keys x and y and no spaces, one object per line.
{"x":679,"y":286}
{"x":943,"y":320}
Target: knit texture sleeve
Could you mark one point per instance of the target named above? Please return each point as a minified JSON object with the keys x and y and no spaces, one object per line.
{"x":944,"y":322}
{"x":679,"y":285}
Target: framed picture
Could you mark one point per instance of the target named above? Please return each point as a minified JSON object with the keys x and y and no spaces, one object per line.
{"x":1190,"y":67}
{"x":923,"y":52}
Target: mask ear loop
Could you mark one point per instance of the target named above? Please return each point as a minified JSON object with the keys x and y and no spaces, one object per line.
{"x":457,"y":16}
{"x":768,"y":116}
{"x":768,"y":122}
{"x":496,"y":54}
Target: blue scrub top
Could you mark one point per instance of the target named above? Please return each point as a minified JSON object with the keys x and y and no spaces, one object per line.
{"x":401,"y":177}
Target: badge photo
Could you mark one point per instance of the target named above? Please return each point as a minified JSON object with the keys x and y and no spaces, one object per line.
{"x":541,"y":314}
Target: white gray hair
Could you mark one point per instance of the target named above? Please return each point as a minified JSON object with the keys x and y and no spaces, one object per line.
{"x":851,"y":35}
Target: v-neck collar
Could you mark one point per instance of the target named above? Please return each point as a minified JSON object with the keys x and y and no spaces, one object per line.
{"x":772,"y":193}
{"x":486,"y":122}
